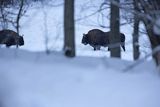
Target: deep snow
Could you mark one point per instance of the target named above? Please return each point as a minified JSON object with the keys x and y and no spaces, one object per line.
{"x":38,"y":80}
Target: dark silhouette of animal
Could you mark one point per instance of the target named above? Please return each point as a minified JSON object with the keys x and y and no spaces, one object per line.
{"x":9,"y":38}
{"x":97,"y":38}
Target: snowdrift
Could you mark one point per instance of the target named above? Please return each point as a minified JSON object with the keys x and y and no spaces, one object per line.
{"x":38,"y":80}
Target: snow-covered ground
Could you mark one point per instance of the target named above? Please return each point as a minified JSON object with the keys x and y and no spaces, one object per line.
{"x":30,"y":79}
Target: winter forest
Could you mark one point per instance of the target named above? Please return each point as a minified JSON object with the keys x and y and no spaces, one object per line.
{"x":79,"y":53}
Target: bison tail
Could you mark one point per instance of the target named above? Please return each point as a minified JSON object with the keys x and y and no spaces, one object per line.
{"x":123,"y":37}
{"x":123,"y":46}
{"x":123,"y":41}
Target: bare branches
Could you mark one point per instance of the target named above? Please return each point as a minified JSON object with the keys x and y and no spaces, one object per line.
{"x":149,"y":13}
{"x":94,"y":13}
{"x":19,"y":15}
{"x":11,"y":13}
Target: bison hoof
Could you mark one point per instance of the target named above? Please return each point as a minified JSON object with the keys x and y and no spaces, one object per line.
{"x":97,"y":48}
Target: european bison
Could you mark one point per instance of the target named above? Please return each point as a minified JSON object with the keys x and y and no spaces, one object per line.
{"x":97,"y":38}
{"x":9,"y":38}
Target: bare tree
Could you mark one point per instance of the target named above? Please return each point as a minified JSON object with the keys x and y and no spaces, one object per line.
{"x":11,"y":12}
{"x":136,"y":51}
{"x":19,"y":15}
{"x":45,"y":16}
{"x":149,"y":13}
{"x":69,"y":40}
{"x":114,"y":26}
{"x":4,"y":6}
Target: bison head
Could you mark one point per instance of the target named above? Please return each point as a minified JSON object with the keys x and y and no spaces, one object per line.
{"x":20,"y":41}
{"x":85,"y":39}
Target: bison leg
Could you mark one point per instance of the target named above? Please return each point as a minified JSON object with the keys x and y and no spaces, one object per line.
{"x":8,"y":45}
{"x":16,"y":45}
{"x":94,"y":48}
{"x":98,"y":47}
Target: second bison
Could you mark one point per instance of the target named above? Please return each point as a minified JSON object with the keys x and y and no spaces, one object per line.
{"x":9,"y":38}
{"x":97,"y":38}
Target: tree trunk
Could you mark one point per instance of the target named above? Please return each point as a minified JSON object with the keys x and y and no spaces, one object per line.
{"x":149,"y":16}
{"x":69,"y":40}
{"x":19,"y":15}
{"x":136,"y":52}
{"x":115,"y":32}
{"x":155,"y":41}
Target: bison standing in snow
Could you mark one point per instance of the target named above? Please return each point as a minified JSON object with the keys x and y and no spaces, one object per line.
{"x":9,"y":38}
{"x":97,"y":38}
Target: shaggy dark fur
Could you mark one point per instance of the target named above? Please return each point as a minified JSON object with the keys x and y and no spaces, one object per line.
{"x":9,"y":38}
{"x":97,"y":38}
